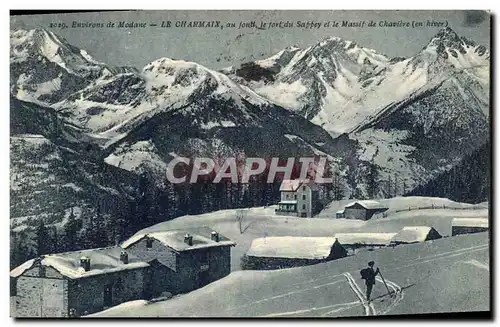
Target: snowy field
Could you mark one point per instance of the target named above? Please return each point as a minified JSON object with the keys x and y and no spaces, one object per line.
{"x":449,"y":274}
{"x":262,"y":222}
{"x":446,"y":275}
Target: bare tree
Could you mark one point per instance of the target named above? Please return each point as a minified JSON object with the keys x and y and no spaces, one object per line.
{"x":240,"y":214}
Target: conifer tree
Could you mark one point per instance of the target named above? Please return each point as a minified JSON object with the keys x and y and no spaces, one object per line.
{"x":42,"y":241}
{"x":372,"y":180}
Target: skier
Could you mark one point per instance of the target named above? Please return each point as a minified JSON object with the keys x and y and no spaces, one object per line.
{"x":368,"y":274}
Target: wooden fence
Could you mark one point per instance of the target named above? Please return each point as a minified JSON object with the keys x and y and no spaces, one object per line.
{"x":384,"y":214}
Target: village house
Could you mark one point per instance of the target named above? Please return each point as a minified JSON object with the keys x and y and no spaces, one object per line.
{"x":363,"y":209}
{"x":415,"y":234}
{"x":468,"y":225}
{"x":299,"y":198}
{"x":182,"y":260}
{"x":77,"y":283}
{"x":288,"y":251}
{"x":355,"y":241}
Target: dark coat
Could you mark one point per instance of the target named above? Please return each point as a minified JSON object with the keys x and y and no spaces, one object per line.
{"x":371,"y":276}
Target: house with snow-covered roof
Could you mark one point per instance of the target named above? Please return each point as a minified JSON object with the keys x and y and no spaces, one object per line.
{"x":468,"y":225}
{"x":354,"y":241}
{"x":299,"y":198}
{"x":182,"y":260}
{"x":415,"y":234}
{"x":78,"y":283}
{"x":363,"y":209}
{"x":291,"y":251}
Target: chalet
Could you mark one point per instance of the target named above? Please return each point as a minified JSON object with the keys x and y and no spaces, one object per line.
{"x":286,"y":252}
{"x":77,"y":283}
{"x":468,"y":225}
{"x":355,"y":241}
{"x":415,"y":234}
{"x":299,"y":198}
{"x":182,"y":260}
{"x":363,"y":210}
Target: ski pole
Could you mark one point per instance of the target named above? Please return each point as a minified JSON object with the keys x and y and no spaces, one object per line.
{"x":380,"y":273}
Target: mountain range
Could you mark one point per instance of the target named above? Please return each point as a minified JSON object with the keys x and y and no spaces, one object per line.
{"x":89,"y":130}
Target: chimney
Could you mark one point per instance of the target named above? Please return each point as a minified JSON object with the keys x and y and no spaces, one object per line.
{"x":188,"y":239}
{"x":124,"y":257}
{"x":85,"y":263}
{"x":214,"y":236}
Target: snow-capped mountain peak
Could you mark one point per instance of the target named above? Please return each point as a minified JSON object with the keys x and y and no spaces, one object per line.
{"x":447,"y":48}
{"x":340,"y":85}
{"x":449,"y":38}
{"x":25,"y":44}
{"x":46,"y":69}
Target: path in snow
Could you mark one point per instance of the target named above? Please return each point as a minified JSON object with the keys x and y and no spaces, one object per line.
{"x":369,"y":308}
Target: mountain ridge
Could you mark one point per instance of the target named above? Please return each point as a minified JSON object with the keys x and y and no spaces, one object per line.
{"x":138,"y":120}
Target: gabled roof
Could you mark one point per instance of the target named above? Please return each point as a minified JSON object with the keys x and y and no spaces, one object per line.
{"x":292,"y":185}
{"x":414,"y":234}
{"x":292,"y":247}
{"x":102,"y":261}
{"x":368,"y":204}
{"x":470,"y":222}
{"x":174,"y":239}
{"x":365,"y":238}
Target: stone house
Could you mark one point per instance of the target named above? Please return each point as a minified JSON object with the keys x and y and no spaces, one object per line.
{"x":299,"y":198}
{"x":290,"y":251}
{"x":468,"y":225}
{"x":77,"y":283}
{"x":363,"y":210}
{"x":182,"y":260}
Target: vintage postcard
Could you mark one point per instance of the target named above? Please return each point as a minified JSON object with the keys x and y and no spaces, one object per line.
{"x":277,"y":164}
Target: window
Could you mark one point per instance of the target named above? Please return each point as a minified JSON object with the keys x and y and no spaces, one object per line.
{"x":295,"y":196}
{"x":303,"y":188}
{"x":303,"y":197}
{"x":303,"y":207}
{"x":149,"y":243}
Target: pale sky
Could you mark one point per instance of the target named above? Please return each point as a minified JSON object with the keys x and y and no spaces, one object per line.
{"x":216,"y":48}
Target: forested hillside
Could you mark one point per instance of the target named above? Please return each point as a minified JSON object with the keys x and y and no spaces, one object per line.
{"x":469,"y":181}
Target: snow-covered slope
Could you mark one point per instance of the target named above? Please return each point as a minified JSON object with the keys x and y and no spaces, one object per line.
{"x":406,"y":139}
{"x":181,"y":108}
{"x":424,"y":278}
{"x":53,"y":171}
{"x":117,"y":104}
{"x":262,"y":222}
{"x":48,"y":181}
